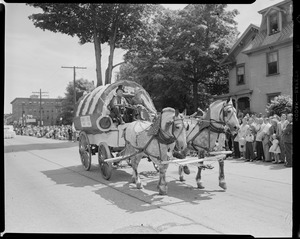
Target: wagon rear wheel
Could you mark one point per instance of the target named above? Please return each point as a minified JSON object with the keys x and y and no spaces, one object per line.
{"x":104,"y":153}
{"x":85,"y":151}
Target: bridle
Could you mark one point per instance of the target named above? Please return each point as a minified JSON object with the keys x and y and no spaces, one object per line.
{"x":164,"y":137}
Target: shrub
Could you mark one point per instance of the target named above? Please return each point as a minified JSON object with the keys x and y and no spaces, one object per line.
{"x":279,"y":105}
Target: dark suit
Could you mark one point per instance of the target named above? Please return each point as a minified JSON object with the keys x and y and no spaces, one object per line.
{"x":287,"y":136}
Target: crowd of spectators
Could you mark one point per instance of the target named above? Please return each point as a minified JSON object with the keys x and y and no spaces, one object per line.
{"x":63,"y":132}
{"x":267,"y":139}
{"x":261,"y":138}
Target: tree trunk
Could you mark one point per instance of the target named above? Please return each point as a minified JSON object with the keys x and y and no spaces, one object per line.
{"x":97,"y":45}
{"x":195,"y":95}
{"x":98,"y":53}
{"x":108,"y":72}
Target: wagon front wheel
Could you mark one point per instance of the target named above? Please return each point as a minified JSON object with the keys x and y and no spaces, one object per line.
{"x":85,"y":151}
{"x":106,"y":168}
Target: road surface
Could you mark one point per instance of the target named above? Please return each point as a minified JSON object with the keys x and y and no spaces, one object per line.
{"x":48,"y":191}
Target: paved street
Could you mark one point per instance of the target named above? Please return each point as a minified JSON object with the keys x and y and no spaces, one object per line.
{"x":47,"y":190}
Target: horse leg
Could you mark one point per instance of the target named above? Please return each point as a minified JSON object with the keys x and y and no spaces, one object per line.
{"x":162,"y":183}
{"x":180,"y":172}
{"x":198,"y":176}
{"x":222,"y":182}
{"x":135,"y":175}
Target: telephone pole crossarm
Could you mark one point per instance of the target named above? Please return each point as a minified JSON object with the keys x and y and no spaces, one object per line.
{"x":40,"y":92}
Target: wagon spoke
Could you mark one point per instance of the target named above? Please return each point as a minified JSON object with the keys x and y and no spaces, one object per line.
{"x":85,"y":151}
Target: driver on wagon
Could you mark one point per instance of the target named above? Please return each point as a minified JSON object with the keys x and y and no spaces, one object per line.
{"x":117,"y":104}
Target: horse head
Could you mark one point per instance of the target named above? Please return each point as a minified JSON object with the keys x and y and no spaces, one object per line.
{"x":225,"y":112}
{"x":172,"y":124}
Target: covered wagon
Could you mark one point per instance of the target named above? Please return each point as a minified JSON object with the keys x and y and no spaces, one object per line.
{"x":99,"y":132}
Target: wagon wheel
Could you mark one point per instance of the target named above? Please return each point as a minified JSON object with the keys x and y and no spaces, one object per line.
{"x":103,"y":153}
{"x":85,"y":151}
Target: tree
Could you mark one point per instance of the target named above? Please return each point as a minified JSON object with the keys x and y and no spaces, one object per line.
{"x":281,"y":104}
{"x":205,"y":32}
{"x":95,"y":23}
{"x":82,"y":86}
{"x":178,"y":54}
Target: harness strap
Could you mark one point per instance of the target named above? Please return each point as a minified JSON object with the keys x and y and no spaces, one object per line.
{"x":161,"y":139}
{"x":210,"y":127}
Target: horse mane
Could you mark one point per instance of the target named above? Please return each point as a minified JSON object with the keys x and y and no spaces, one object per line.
{"x":215,"y":102}
{"x":168,"y":109}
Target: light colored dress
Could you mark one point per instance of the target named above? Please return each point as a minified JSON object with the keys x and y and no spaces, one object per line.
{"x":275,"y":147}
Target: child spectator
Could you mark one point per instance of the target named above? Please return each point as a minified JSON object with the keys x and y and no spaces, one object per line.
{"x":249,"y":155}
{"x":275,"y":149}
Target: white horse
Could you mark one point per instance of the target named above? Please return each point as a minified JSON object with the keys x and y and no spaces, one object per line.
{"x":208,"y":134}
{"x":155,"y":140}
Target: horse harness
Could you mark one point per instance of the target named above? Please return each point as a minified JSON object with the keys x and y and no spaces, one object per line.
{"x":209,"y":123}
{"x":162,"y":137}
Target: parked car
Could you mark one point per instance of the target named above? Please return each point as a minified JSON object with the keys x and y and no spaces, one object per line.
{"x":9,"y":132}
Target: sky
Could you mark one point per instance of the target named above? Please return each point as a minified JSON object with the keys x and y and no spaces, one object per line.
{"x":34,"y":58}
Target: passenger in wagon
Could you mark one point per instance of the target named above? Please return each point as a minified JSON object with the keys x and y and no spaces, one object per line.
{"x":117,"y":105}
{"x":140,"y":111}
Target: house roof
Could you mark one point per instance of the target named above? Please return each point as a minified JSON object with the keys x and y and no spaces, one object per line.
{"x":262,"y":40}
{"x":273,"y":6}
{"x":250,"y":29}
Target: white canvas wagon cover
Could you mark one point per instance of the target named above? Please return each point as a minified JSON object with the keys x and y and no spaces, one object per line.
{"x":92,"y":106}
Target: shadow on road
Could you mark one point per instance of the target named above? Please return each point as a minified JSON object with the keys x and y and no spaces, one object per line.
{"x":147,"y":198}
{"x":73,"y":176}
{"x":41,"y":146}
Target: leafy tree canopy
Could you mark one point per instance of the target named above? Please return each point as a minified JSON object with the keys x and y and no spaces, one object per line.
{"x":82,"y":86}
{"x":95,"y":23}
{"x":177,"y":56}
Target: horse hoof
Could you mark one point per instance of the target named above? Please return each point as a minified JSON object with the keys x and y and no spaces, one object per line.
{"x":223,"y":185}
{"x":186,"y":170}
{"x":200,"y":186}
{"x":139,"y":185}
{"x":181,"y":179}
{"x":162,"y":191}
{"x":132,"y":180}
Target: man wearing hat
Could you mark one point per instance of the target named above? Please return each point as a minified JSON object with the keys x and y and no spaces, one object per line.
{"x":117,"y":104}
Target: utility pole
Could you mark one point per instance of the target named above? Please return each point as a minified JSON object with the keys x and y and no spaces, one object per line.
{"x":74,"y":77}
{"x":23,"y":113}
{"x":40,"y":92}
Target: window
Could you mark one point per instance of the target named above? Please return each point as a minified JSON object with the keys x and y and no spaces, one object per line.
{"x":273,"y":23}
{"x":272,"y":63}
{"x":240,"y":74}
{"x":272,"y":96}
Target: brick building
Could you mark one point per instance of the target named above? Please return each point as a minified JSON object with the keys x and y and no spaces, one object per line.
{"x":51,"y":108}
{"x":261,"y":60}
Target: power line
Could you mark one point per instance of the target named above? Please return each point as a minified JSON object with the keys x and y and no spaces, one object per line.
{"x":40,"y":92}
